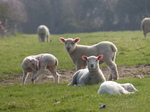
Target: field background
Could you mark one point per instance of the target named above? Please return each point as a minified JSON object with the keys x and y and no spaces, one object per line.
{"x":133,"y":50}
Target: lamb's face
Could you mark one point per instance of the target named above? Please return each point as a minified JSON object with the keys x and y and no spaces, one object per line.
{"x":33,"y":64}
{"x":70,"y":44}
{"x":92,"y":62}
{"x":41,"y":30}
{"x":129,"y":87}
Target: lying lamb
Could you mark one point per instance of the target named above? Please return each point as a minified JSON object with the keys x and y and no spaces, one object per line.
{"x":90,"y":75}
{"x":43,"y":33}
{"x":145,"y":25}
{"x":37,"y":64}
{"x":111,"y":87}
{"x":105,"y":48}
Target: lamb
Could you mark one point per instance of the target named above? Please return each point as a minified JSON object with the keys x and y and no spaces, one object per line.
{"x":111,"y":87}
{"x":90,"y":75}
{"x":37,"y":64}
{"x":145,"y":26}
{"x":43,"y":33}
{"x":105,"y":48}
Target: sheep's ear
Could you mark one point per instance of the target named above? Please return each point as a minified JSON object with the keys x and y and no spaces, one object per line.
{"x":62,"y":39}
{"x":77,"y":40}
{"x":100,"y":57}
{"x":84,"y":58}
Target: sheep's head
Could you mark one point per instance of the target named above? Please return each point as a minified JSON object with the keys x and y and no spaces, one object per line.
{"x":70,"y":44}
{"x":92,"y":62}
{"x":129,"y":87}
{"x":33,"y":64}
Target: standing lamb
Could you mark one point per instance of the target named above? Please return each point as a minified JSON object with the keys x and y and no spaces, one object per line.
{"x":105,"y":48}
{"x":145,"y":26}
{"x":111,"y":87}
{"x":90,"y":75}
{"x":37,"y":64}
{"x":43,"y":33}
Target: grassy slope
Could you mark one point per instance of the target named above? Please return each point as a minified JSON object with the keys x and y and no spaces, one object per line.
{"x":133,"y":50}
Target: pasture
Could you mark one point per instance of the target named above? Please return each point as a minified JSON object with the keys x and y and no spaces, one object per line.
{"x":133,"y":50}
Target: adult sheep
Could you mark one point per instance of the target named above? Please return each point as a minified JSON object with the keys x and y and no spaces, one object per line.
{"x":43,"y":33}
{"x":145,"y":26}
{"x":90,"y":75}
{"x":37,"y":64}
{"x":105,"y":48}
{"x":111,"y":87}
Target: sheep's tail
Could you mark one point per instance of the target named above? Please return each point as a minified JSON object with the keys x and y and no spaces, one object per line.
{"x":56,"y":62}
{"x":114,"y":48}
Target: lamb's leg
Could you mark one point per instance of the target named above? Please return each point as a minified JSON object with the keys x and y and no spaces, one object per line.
{"x":113,"y":70}
{"x":47,"y":38}
{"x":81,"y":82}
{"x":42,"y":70}
{"x":39,"y":38}
{"x":43,"y":39}
{"x":144,"y":33}
{"x":25,"y":74}
{"x":53,"y":71}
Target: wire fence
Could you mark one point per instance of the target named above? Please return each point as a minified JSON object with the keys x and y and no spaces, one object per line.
{"x":8,"y":27}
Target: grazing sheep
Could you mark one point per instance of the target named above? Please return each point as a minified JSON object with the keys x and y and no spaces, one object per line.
{"x":37,"y":64}
{"x":43,"y":33}
{"x":111,"y":87}
{"x":145,"y":26}
{"x":105,"y":48}
{"x":90,"y":75}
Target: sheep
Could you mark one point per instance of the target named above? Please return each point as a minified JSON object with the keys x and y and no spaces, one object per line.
{"x":145,"y":26}
{"x":111,"y":87}
{"x":43,"y":33}
{"x":37,"y":64}
{"x":90,"y":75}
{"x":105,"y":48}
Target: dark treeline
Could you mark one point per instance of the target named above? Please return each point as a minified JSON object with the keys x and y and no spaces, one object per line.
{"x":70,"y":16}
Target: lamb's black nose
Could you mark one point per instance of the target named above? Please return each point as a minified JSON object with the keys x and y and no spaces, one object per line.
{"x":92,"y":66}
{"x":68,"y":48}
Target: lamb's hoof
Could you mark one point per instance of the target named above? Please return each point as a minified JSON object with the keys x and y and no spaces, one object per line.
{"x":102,"y":107}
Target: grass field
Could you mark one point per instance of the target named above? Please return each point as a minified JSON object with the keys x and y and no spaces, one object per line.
{"x":133,"y":50}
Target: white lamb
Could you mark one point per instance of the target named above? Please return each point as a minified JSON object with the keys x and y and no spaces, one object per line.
{"x":43,"y":33}
{"x":145,"y":25}
{"x":111,"y":87}
{"x":37,"y":64}
{"x":105,"y":48}
{"x":90,"y":75}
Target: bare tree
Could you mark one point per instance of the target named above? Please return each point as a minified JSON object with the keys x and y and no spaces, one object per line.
{"x":12,"y":13}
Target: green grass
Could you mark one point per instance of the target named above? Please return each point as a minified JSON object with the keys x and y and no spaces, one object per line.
{"x":50,"y":97}
{"x":133,"y":49}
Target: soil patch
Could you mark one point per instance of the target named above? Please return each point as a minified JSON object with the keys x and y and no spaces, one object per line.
{"x":66,"y":75}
